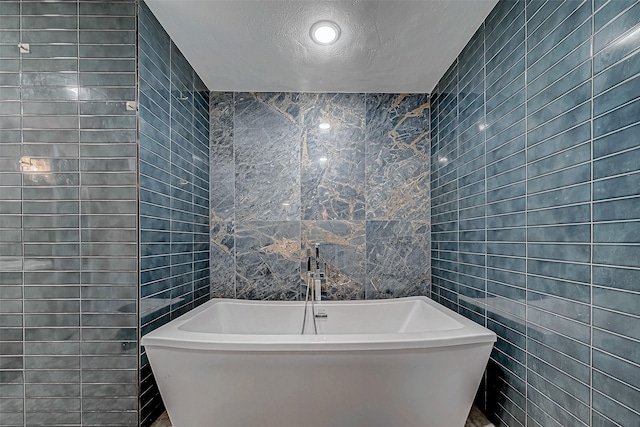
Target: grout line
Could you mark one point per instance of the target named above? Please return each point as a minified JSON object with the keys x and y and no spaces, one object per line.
{"x":591,"y":139}
{"x":138,"y":218}
{"x":80,"y":206}
{"x":22,"y":231}
{"x":526,"y":208}
{"x":233,"y":144}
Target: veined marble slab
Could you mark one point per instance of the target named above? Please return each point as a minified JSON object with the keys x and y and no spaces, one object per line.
{"x":267,"y":156}
{"x":342,"y":251}
{"x":221,"y":156}
{"x":398,"y":258}
{"x":268,"y":260}
{"x":397,"y":157}
{"x":332,"y":163}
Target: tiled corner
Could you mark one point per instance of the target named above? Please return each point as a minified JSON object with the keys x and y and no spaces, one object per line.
{"x":174,"y":190}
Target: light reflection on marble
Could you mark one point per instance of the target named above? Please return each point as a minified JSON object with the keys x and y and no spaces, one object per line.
{"x":475,"y":419}
{"x":332,"y":164}
{"x":342,"y":249}
{"x":397,"y":156}
{"x":267,"y":156}
{"x":398,"y":259}
{"x":268,"y":260}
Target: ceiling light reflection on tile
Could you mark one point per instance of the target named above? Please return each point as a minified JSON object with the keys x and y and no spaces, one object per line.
{"x":324,"y":127}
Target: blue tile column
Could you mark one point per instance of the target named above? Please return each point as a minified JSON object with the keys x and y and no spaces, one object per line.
{"x":560,"y":205}
{"x":68,"y":261}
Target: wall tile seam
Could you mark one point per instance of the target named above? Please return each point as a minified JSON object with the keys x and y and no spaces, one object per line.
{"x":592,"y":230}
{"x":235,"y":207}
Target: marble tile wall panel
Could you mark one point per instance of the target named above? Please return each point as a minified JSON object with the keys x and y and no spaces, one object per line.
{"x":268,"y":260}
{"x":267,"y":132}
{"x":222,"y":157}
{"x":341,"y":245}
{"x":222,"y":212}
{"x":332,"y":163}
{"x":223,"y":259}
{"x":397,"y":259}
{"x":535,"y":209}
{"x":287,"y":172}
{"x":397,"y":157}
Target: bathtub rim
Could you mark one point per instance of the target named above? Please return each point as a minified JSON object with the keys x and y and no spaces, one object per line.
{"x":170,"y":336}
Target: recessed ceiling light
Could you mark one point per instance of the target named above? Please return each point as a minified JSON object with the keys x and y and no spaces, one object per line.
{"x":324,"y":126}
{"x":325,"y":32}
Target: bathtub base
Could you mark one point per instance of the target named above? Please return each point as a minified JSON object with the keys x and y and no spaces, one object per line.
{"x":401,"y":388}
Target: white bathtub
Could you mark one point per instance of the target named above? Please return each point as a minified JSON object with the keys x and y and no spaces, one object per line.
{"x":406,"y":362}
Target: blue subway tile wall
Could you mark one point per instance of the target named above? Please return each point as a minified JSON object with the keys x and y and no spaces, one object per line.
{"x":174,"y":190}
{"x":536,"y":208}
{"x":280,"y":185}
{"x":68,"y":214}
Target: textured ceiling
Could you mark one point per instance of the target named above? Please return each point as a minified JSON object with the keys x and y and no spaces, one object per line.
{"x":385,"y":46}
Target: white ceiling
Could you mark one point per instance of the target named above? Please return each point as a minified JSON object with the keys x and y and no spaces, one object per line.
{"x":264,"y":45}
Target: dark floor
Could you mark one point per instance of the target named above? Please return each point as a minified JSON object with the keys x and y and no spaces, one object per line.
{"x":476,"y":419}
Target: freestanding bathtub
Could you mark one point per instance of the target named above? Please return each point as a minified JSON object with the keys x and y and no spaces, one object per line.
{"x":406,"y":362}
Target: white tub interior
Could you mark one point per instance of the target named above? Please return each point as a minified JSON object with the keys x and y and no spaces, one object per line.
{"x":343,"y":318}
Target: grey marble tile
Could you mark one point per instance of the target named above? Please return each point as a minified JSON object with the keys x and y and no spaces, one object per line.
{"x":397,"y":157}
{"x":268,"y":260}
{"x":398,"y":259}
{"x":342,"y":250}
{"x":267,"y":156}
{"x":222,"y":156}
{"x":332,"y":163}
{"x":223,"y":276}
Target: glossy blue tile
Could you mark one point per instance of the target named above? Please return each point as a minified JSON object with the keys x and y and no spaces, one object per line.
{"x":606,"y":34}
{"x":575,"y":253}
{"x":627,"y":255}
{"x":617,"y":210}
{"x":565,"y":196}
{"x":616,"y":119}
